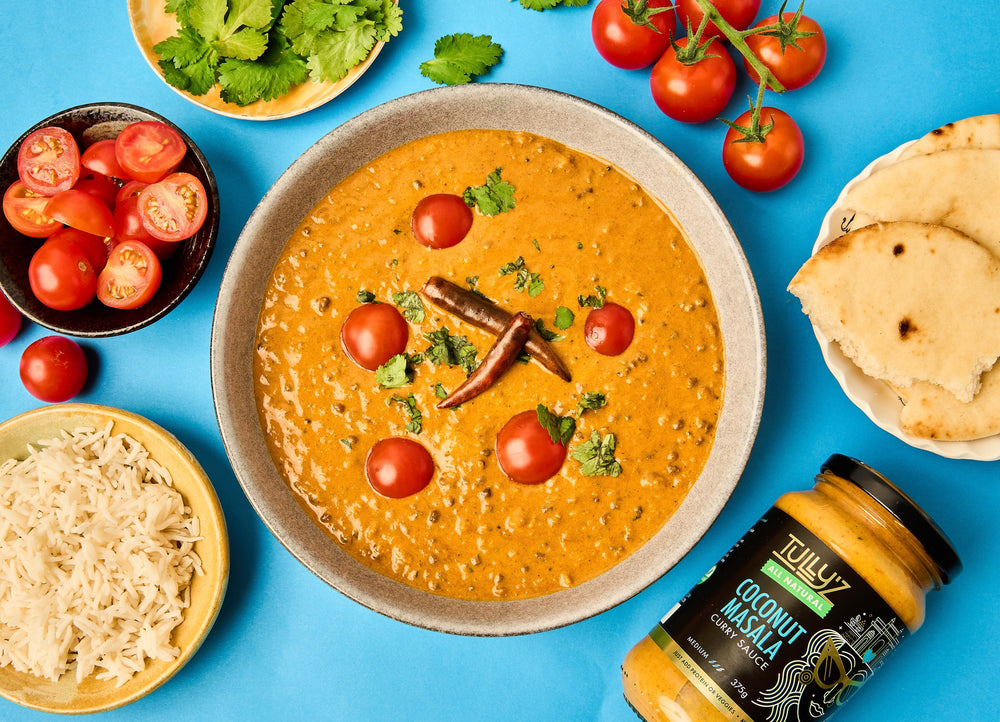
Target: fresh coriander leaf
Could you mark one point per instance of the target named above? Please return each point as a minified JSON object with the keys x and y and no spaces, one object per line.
{"x":388,"y":21}
{"x":334,"y":53}
{"x":597,"y":455}
{"x":411,"y":305}
{"x":450,"y":350}
{"x":549,"y":4}
{"x":208,"y":18}
{"x":591,"y":400}
{"x":415,"y":425}
{"x":182,"y":9}
{"x":459,"y":57}
{"x":560,"y":428}
{"x":512,"y":267}
{"x":493,"y":197}
{"x":473,"y":281}
{"x":394,"y":373}
{"x":187,"y":62}
{"x":247,"y":44}
{"x":524,"y":279}
{"x":270,"y":76}
{"x":366,"y":296}
{"x":544,"y":332}
{"x":564,"y":318}
{"x":440,"y":392}
{"x":592,"y":300}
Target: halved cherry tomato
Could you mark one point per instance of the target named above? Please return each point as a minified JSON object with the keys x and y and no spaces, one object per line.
{"x":95,"y":248}
{"x":10,"y":321}
{"x":61,"y":275}
{"x":625,"y":43}
{"x":149,"y":150}
{"x":101,"y":187}
{"x":53,"y":369}
{"x":526,"y":452}
{"x":81,"y":210}
{"x":697,"y":92}
{"x":796,"y":66}
{"x":398,"y":467}
{"x":174,"y":208}
{"x":441,"y":220}
{"x":25,"y":211}
{"x":131,"y":188}
{"x":131,"y":276}
{"x":609,"y":330}
{"x":128,"y":227}
{"x":100,"y":158}
{"x":373,"y":334}
{"x":48,"y":161}
{"x":766,"y":166}
{"x":738,"y":13}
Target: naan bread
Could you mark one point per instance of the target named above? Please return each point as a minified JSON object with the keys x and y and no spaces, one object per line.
{"x":958,"y":188}
{"x":931,"y":412}
{"x":907,"y":302}
{"x":980,"y":131}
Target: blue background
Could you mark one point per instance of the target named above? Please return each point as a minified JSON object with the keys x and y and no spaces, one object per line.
{"x":285,"y":643}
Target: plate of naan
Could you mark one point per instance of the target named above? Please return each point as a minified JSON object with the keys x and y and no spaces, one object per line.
{"x":903,"y":290}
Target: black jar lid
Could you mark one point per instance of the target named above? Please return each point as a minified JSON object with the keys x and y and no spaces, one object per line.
{"x":923,"y":528}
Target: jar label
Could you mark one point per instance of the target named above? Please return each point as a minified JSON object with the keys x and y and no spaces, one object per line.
{"x":781,"y":629}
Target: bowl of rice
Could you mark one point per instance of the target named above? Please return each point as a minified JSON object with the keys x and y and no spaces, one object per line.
{"x":114,"y":557}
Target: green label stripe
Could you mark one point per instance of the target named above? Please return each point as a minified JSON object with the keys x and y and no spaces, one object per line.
{"x":794,"y":586}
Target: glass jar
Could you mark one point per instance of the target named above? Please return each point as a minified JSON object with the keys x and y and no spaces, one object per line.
{"x":799,"y":614}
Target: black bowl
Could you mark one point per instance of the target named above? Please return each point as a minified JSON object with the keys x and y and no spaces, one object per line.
{"x":181,"y":271}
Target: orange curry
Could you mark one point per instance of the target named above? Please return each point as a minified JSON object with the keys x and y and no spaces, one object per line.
{"x":578,"y":224}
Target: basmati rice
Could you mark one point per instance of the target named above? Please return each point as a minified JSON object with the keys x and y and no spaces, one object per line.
{"x":96,"y":557}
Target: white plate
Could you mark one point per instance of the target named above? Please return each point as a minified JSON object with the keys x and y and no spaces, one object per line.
{"x":873,"y":397}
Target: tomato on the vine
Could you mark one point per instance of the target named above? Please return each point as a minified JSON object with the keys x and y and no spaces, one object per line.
{"x":131,"y":276}
{"x":526,"y":452}
{"x":25,"y":211}
{"x":53,"y":369}
{"x":609,"y":330}
{"x":696,"y":92}
{"x":373,"y":334}
{"x":794,"y":65}
{"x":10,"y":321}
{"x":441,"y":220}
{"x":398,"y":467}
{"x":628,"y":35}
{"x":61,"y":275}
{"x":48,"y":160}
{"x":764,"y":164}
{"x":738,"y":13}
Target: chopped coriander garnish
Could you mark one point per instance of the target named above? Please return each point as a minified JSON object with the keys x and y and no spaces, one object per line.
{"x":440,"y":392}
{"x":523,"y":278}
{"x":579,"y":246}
{"x":591,"y":400}
{"x":348,"y":444}
{"x":534,"y":242}
{"x":459,"y":57}
{"x":544,"y":332}
{"x":493,"y":197}
{"x":451,"y":350}
{"x":415,"y":425}
{"x":366,"y":296}
{"x":560,"y":428}
{"x":564,"y":318}
{"x":597,"y":455}
{"x":394,"y":373}
{"x":411,"y":305}
{"x":472,"y":282}
{"x":592,"y":300}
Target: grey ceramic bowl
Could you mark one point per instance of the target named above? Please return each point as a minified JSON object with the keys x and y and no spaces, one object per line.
{"x":579,"y":124}
{"x":89,"y":123}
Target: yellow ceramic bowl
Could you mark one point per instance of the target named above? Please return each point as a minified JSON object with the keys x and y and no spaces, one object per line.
{"x":151,"y":24}
{"x":66,"y":696}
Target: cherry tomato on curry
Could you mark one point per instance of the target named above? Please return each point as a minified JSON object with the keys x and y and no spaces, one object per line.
{"x":630,"y":43}
{"x":610,"y":329}
{"x":53,"y":369}
{"x":25,"y":211}
{"x":100,"y":158}
{"x":174,"y":208}
{"x":738,"y":13}
{"x":373,"y":334}
{"x":48,"y":161}
{"x":441,"y":220}
{"x":526,"y":452}
{"x":796,"y":66}
{"x":768,"y":165}
{"x":10,"y":321}
{"x":149,"y":150}
{"x":131,"y":276}
{"x":398,"y":467}
{"x":81,"y":210}
{"x":61,"y":275}
{"x":697,"y":92}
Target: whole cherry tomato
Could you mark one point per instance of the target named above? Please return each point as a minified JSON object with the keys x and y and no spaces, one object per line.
{"x":53,"y":369}
{"x":769,"y":164}
{"x":373,"y":334}
{"x":609,"y":330}
{"x":441,"y":220}
{"x":738,"y":13}
{"x":628,"y":35}
{"x":61,"y":275}
{"x":697,"y":92}
{"x":526,"y":452}
{"x":398,"y":467}
{"x":10,"y":321}
{"x":792,"y":66}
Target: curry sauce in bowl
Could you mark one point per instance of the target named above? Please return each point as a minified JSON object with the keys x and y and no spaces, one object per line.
{"x":474,"y":551}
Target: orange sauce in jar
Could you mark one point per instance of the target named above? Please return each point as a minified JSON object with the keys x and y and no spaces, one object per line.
{"x":801,"y":611}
